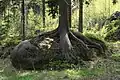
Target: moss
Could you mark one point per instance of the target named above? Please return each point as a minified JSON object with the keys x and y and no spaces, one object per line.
{"x":111,"y":35}
{"x":113,"y":29}
{"x":116,"y":57}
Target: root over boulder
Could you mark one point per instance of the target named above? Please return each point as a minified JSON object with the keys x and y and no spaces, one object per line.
{"x":46,"y":47}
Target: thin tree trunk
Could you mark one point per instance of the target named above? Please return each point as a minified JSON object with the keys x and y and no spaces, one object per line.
{"x":26,"y":19}
{"x":23,"y":20}
{"x":43,"y":12}
{"x":69,"y":12}
{"x":80,"y":29}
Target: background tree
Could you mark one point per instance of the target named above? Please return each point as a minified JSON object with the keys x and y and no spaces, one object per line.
{"x":80,"y":28}
{"x":43,"y":12}
{"x":23,"y":19}
{"x":69,"y":11}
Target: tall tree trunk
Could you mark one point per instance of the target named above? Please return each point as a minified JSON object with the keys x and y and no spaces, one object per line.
{"x":80,"y":29}
{"x":43,"y":12}
{"x":23,"y":20}
{"x":69,"y":12}
{"x":26,"y":18}
{"x":65,"y":43}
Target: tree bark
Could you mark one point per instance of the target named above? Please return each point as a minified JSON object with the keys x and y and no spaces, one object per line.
{"x":23,"y":20}
{"x":65,"y":43}
{"x":43,"y":12}
{"x":69,"y":12}
{"x":80,"y":29}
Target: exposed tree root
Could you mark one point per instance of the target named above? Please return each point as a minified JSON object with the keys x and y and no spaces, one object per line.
{"x":74,"y":37}
{"x":29,"y":54}
{"x":88,"y":42}
{"x":41,"y":36}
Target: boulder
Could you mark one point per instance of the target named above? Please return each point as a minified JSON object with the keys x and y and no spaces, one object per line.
{"x":25,"y":55}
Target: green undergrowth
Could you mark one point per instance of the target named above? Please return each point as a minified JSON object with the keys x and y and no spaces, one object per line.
{"x":116,"y":52}
{"x":99,"y":69}
{"x":111,"y":31}
{"x":66,"y":74}
{"x":58,"y":70}
{"x":116,"y":57}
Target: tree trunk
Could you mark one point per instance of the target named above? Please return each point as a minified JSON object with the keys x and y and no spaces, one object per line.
{"x":80,"y":29}
{"x":65,"y":43}
{"x":43,"y":12}
{"x":69,"y":12}
{"x":26,"y":18}
{"x":23,"y":20}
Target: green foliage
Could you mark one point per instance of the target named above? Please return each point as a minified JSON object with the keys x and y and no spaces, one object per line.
{"x":11,"y":25}
{"x":98,"y":11}
{"x":27,"y":77}
{"x":35,"y":23}
{"x":108,"y":32}
{"x":53,"y":5}
{"x":111,"y":30}
{"x":74,"y":74}
{"x":116,"y":56}
{"x":94,"y":33}
{"x":9,"y":32}
{"x":35,"y":6}
{"x":10,"y":41}
{"x":59,"y":65}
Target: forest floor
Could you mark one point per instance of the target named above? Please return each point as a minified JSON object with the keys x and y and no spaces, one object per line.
{"x":101,"y":69}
